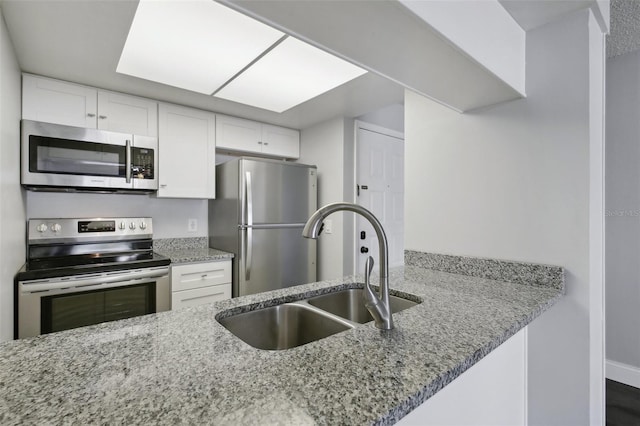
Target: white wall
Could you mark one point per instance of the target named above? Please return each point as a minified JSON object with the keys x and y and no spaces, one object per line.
{"x":12,"y":206}
{"x":329,"y":146}
{"x":513,"y":182}
{"x":597,"y":81}
{"x":496,"y":40}
{"x":623,"y":217}
{"x":170,"y":216}
{"x":390,"y":116}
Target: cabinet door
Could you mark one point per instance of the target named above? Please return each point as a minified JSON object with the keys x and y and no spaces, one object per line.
{"x":54,"y":101}
{"x":280,"y":141}
{"x":238,"y":135}
{"x":186,"y":145}
{"x":127,"y":114}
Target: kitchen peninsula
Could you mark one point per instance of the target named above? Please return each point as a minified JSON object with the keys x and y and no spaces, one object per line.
{"x":184,"y":367}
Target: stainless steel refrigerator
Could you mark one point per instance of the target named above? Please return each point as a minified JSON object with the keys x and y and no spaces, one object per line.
{"x":260,"y":209}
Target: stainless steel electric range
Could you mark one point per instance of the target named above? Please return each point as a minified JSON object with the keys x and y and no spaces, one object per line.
{"x":87,"y":271}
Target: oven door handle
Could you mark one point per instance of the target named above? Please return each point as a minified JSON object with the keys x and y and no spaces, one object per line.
{"x":94,"y":282}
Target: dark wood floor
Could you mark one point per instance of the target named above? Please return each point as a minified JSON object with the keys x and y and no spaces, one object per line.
{"x":623,"y":404}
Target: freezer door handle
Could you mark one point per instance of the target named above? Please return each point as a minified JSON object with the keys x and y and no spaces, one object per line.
{"x":248,"y":199}
{"x":249,"y":230}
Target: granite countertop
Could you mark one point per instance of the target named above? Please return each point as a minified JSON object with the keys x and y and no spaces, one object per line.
{"x":189,"y":255}
{"x":184,"y":367}
{"x":189,"y":250}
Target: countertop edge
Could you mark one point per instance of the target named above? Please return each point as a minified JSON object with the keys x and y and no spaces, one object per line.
{"x":195,"y":255}
{"x":435,"y":386}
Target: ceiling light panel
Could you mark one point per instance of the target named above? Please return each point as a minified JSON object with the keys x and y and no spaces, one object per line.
{"x":196,"y":45}
{"x":292,"y":73}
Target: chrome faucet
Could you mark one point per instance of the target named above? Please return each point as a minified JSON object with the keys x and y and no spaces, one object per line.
{"x":379,"y":307}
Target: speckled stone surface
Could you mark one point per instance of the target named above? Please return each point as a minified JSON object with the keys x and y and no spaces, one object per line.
{"x":188,"y":250}
{"x":180,"y":243}
{"x":183,"y":367}
{"x":501,"y":270}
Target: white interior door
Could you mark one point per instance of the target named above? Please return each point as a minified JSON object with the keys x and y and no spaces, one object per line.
{"x":380,"y":179}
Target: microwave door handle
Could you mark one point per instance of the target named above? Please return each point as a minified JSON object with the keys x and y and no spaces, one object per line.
{"x":127,"y":160}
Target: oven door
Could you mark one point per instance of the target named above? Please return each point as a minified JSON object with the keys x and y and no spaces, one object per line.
{"x":63,"y":303}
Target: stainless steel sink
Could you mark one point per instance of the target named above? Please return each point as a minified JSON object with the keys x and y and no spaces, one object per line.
{"x":283,"y":326}
{"x":349,"y":304}
{"x":294,"y":324}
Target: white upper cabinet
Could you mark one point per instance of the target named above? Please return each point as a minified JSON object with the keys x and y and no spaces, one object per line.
{"x":59,"y":102}
{"x":187,"y":152}
{"x":127,"y":114}
{"x":280,"y":141}
{"x":54,"y":101}
{"x":237,"y":134}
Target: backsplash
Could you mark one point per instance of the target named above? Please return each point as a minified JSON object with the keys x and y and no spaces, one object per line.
{"x":170,"y":216}
{"x":164,"y":244}
{"x":501,"y":270}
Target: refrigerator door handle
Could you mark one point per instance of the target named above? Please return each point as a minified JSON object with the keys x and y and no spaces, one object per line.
{"x":247,"y":275}
{"x":249,"y":224}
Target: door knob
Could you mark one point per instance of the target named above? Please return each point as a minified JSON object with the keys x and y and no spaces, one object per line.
{"x":364,"y":249}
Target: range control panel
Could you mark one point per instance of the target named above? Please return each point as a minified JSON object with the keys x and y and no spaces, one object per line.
{"x":90,"y":228}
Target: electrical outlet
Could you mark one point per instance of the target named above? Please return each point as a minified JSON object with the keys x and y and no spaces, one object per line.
{"x":328,"y":226}
{"x":192,"y":225}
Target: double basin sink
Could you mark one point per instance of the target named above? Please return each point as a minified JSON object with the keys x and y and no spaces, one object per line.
{"x":297,"y":323}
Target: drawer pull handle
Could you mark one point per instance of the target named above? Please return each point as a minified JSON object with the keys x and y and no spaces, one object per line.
{"x":204,"y":276}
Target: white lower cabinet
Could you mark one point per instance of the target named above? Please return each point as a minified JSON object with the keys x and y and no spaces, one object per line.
{"x":195,"y":284}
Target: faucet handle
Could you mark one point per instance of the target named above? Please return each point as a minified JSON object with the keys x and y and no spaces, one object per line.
{"x":368,"y":267}
{"x":371,"y":300}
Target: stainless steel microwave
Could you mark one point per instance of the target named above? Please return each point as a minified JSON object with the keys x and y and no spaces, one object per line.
{"x":56,"y":157}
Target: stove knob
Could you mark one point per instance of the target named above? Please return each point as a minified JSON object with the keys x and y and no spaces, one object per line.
{"x":132,"y":226}
{"x":56,"y":227}
{"x":41,"y":228}
{"x":143,"y":225}
{"x":122,"y":225}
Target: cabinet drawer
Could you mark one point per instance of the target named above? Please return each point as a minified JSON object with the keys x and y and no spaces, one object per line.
{"x":197,"y":275}
{"x":200,"y":296}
